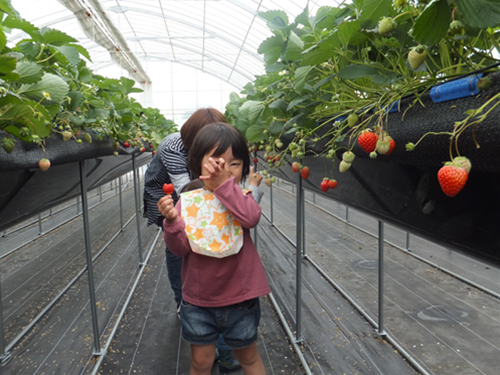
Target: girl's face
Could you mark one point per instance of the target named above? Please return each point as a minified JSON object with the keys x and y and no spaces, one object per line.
{"x":233,"y":166}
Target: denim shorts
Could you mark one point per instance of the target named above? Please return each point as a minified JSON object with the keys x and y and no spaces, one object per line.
{"x":238,"y":323}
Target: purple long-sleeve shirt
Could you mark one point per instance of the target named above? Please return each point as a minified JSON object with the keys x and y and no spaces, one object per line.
{"x":216,"y":282}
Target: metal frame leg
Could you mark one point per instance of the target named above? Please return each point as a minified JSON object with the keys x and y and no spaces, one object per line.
{"x":298,"y":251}
{"x":137,"y":210}
{"x":88,"y":251}
{"x":381,"y":330}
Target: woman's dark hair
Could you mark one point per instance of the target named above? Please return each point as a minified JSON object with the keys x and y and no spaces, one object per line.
{"x":220,"y":136}
{"x":198,"y":120}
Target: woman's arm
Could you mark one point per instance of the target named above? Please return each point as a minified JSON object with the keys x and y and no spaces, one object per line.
{"x":243,"y":207}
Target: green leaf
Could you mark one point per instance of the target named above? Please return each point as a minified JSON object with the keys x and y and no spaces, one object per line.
{"x":355,"y":71}
{"x":81,"y":50}
{"x":97,"y":103}
{"x":85,"y":75}
{"x":241,"y":124}
{"x":346,"y":31}
{"x":301,"y":76}
{"x":324,"y":81}
{"x":50,"y":83}
{"x":438,"y":14}
{"x":279,"y":104}
{"x":76,"y":99}
{"x":55,"y":37}
{"x":252,"y":109}
{"x":6,"y":7}
{"x":99,"y":114}
{"x":75,"y":120}
{"x":255,"y":133}
{"x":276,"y":67}
{"x":303,"y":18}
{"x":7,"y":64}
{"x":271,"y":48}
{"x":71,"y":53}
{"x":385,"y":78}
{"x":294,"y":47}
{"x":16,"y":111}
{"x":276,"y":19}
{"x":126,"y":84}
{"x":3,"y":40}
{"x":371,"y":13}
{"x":479,"y":13}
{"x":29,"y":71}
{"x":298,"y":100}
{"x":18,"y":23}
{"x":234,"y":97}
{"x":30,"y":49}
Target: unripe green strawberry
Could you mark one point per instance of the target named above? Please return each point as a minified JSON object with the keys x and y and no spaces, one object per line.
{"x":8,"y":144}
{"x":66,"y":135}
{"x":87,"y":138}
{"x":386,"y":25}
{"x":344,"y":166}
{"x":348,"y":156}
{"x":352,"y":120}
{"x":400,"y":3}
{"x":383,"y":146}
{"x":461,"y":162}
{"x":416,"y":57}
{"x":116,"y":145}
{"x":456,"y":27}
{"x":373,"y":155}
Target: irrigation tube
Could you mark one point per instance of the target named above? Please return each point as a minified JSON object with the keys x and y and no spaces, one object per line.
{"x":388,"y":337}
{"x":290,"y":336}
{"x":407,"y":251}
{"x":124,"y":308}
{"x":37,"y":318}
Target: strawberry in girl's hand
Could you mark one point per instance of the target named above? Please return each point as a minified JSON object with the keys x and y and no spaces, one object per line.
{"x":452,"y":178}
{"x":168,"y":189}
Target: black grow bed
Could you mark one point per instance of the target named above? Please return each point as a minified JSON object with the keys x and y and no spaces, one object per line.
{"x":402,"y":188}
{"x":26,"y":191}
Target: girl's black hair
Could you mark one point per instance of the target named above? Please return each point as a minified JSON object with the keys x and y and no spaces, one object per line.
{"x":222,"y":136}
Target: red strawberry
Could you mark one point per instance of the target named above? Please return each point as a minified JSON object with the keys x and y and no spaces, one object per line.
{"x":324,"y":185}
{"x":44,"y":164}
{"x":126,"y":144}
{"x":295,"y":166}
{"x":452,"y":179}
{"x":255,"y":160}
{"x":392,"y":144}
{"x":304,"y":172}
{"x":332,"y":184}
{"x":168,"y":189}
{"x":368,"y":141}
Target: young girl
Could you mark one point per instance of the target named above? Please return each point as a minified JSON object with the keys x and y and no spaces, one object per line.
{"x":220,"y":294}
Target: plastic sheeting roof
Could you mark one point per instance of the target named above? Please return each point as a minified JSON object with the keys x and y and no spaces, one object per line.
{"x":219,"y":37}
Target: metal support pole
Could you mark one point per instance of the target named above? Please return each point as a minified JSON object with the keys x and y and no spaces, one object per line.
{"x":347,"y":214}
{"x":271,"y":204}
{"x":121,"y":205}
{"x":4,"y":356}
{"x":381,"y":330}
{"x":298,"y":252}
{"x":314,"y":198}
{"x":100,"y":194}
{"x":77,"y":204}
{"x":137,"y":210}
{"x":39,"y":224}
{"x":407,"y":241}
{"x":88,"y":250}
{"x":303,"y":209}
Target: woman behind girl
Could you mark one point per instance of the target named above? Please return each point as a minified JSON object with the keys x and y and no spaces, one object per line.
{"x":220,"y":295}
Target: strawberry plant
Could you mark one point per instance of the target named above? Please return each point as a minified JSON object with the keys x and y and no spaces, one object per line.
{"x":46,"y":88}
{"x":332,"y":76}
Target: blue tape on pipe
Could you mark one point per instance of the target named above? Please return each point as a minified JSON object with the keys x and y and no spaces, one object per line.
{"x":459,"y":88}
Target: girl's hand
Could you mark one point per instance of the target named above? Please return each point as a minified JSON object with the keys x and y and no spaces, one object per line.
{"x":167,"y":209}
{"x":217,"y":173}
{"x":255,"y":178}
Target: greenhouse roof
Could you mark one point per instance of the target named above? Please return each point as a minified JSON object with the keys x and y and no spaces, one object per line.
{"x":219,"y":37}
